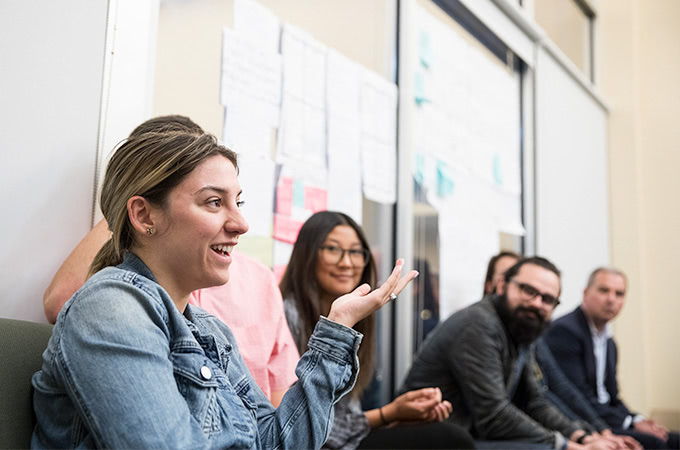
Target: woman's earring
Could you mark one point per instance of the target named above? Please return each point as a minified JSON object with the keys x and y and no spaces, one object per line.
{"x":150,"y":231}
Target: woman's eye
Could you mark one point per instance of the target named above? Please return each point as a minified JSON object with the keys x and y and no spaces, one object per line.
{"x":240,"y":203}
{"x":216,"y":202}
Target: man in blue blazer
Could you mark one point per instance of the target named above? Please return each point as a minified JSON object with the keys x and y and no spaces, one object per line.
{"x":582,"y":343}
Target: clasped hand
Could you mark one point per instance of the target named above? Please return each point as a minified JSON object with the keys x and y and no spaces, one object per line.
{"x":421,"y":405}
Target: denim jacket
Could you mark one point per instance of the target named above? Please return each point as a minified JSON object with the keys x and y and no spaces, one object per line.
{"x":125,"y":369}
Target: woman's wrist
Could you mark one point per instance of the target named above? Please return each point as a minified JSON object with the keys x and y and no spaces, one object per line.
{"x":383,"y":421}
{"x":388,"y":413}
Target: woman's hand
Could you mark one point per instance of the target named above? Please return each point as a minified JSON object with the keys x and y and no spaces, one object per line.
{"x":361,"y":302}
{"x":422,"y":405}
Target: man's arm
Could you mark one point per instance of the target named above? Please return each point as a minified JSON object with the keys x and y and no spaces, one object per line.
{"x":560,"y":387}
{"x":478,"y":359}
{"x":73,"y":272}
{"x":540,"y":408}
{"x":568,"y":351}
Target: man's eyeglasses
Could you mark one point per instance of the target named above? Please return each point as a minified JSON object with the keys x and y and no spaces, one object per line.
{"x":332,"y":254}
{"x":529,"y":293}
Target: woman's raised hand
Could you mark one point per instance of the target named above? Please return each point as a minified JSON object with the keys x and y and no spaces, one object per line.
{"x":361,"y":302}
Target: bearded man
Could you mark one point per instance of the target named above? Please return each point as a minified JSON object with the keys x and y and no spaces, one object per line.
{"x":481,"y":359}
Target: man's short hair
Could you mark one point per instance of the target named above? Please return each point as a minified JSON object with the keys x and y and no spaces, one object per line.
{"x":610,"y":270}
{"x":491,"y":268}
{"x":535,"y":260}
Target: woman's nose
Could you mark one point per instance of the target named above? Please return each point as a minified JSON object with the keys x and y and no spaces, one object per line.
{"x":236,"y":224}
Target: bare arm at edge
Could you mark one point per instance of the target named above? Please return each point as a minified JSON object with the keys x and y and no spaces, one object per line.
{"x":73,"y":272}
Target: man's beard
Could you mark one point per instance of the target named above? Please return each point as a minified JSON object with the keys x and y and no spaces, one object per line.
{"x":525,"y":323}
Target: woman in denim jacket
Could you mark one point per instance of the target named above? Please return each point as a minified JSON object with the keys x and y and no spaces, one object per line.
{"x":131,"y":365}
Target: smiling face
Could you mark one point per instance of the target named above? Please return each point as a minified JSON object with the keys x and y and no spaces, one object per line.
{"x":338,"y":277}
{"x":198,"y":228}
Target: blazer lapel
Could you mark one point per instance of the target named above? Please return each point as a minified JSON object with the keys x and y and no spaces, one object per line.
{"x":589,"y":360}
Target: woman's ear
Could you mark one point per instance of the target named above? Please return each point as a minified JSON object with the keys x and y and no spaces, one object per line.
{"x":141,"y":215}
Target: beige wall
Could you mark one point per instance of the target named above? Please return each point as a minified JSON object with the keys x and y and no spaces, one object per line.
{"x":568,"y":27}
{"x":639,"y":72}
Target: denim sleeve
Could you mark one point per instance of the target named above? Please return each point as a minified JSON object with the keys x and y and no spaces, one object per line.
{"x":121,"y":382}
{"x":326,"y":372}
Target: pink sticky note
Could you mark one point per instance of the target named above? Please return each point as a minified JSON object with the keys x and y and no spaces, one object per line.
{"x":284,"y":196}
{"x":316,"y":199}
{"x":286,"y":229}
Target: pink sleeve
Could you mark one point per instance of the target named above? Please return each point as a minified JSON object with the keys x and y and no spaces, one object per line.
{"x":284,"y":355}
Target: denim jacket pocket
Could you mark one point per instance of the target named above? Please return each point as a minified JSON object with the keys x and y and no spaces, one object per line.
{"x":198,"y":385}
{"x":211,"y":398}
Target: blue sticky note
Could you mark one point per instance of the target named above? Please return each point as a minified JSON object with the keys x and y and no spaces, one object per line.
{"x":425,"y":49}
{"x":445,"y":183}
{"x":420,"y":168}
{"x":299,"y":193}
{"x":497,"y":169}
{"x":419,"y":88}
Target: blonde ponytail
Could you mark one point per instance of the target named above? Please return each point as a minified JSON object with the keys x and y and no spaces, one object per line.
{"x":106,"y":256}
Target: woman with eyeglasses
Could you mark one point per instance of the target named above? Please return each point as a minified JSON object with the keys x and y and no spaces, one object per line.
{"x":331,"y":258}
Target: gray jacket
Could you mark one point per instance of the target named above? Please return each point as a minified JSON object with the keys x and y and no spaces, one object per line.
{"x":471,"y":358}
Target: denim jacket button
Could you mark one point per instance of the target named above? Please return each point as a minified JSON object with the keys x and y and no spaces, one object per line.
{"x":206,"y":373}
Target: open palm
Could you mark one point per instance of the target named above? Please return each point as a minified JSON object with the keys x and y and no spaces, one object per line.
{"x":361,"y":302}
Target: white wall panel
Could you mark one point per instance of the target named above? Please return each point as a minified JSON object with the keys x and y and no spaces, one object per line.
{"x":52,"y":56}
{"x":572,"y":199}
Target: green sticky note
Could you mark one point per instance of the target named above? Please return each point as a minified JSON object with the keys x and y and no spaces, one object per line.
{"x":299,"y":193}
{"x":425,"y":50}
{"x":419,"y":88}
{"x":445,"y":183}
{"x":420,"y":168}
{"x":497,"y":169}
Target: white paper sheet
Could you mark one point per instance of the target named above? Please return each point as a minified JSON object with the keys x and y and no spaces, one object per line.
{"x":257,"y":24}
{"x":344,"y":167}
{"x":250,"y":74}
{"x":256,"y":177}
{"x":378,"y":113}
{"x":343,"y":135}
{"x":246,"y":131}
{"x":303,"y":126}
{"x":466,"y":245}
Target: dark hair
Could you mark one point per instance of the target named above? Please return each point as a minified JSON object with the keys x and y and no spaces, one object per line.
{"x":535,"y":260}
{"x":299,"y":282}
{"x":173,"y":122}
{"x":491,"y":268}
{"x":150,"y":165}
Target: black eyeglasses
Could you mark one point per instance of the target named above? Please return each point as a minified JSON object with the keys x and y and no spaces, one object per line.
{"x":529,"y":293}
{"x":332,"y":254}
